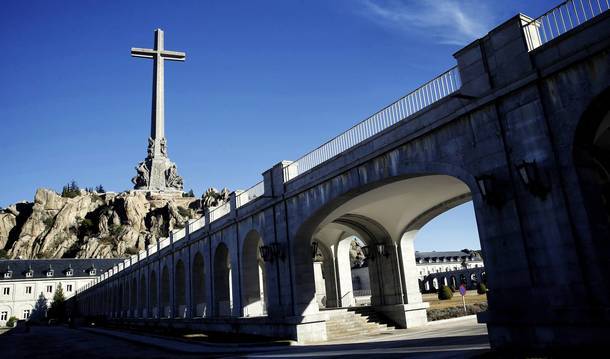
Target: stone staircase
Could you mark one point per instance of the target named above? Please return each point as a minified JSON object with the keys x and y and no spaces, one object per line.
{"x":354,"y":322}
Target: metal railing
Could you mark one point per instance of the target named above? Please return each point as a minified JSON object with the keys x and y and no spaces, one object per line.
{"x":220,"y":211}
{"x":561,"y":19}
{"x":164,"y":243}
{"x":251,"y":193}
{"x":413,"y":102}
{"x":180,"y":233}
{"x":196,"y":224}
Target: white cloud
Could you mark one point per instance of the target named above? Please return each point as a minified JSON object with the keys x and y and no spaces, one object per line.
{"x":452,"y":22}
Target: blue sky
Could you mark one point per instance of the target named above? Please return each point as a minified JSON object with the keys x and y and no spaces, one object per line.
{"x":263,"y":81}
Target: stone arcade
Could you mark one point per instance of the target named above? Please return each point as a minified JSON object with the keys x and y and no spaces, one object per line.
{"x":520,"y":127}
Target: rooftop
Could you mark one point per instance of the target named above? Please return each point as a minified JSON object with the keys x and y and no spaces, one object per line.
{"x":11,"y":269}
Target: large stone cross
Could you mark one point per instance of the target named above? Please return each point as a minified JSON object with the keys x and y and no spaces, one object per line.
{"x":159,"y":55}
{"x":157,"y":172}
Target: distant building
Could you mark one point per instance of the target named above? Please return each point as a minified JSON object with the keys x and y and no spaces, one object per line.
{"x":22,"y":281}
{"x":439,"y":262}
{"x":428,"y":263}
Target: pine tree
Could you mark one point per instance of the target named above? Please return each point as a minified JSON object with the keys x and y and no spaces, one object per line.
{"x":100,"y":189}
{"x":58,"y":307}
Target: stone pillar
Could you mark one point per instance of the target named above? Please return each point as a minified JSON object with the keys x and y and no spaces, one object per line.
{"x":344,"y":273}
{"x":274,"y":179}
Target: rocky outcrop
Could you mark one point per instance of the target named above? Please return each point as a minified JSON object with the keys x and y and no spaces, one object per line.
{"x":8,"y":221}
{"x":92,"y":225}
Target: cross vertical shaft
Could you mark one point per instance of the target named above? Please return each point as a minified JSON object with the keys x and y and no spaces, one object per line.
{"x":157,"y":124}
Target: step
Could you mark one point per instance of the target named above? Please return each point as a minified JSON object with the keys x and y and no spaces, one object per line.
{"x":347,"y":323}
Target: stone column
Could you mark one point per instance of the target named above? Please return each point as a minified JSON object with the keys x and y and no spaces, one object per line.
{"x":344,"y":273}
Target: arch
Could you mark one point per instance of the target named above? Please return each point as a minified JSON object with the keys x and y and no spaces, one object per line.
{"x":154,"y":295}
{"x":142,"y":299}
{"x":474,"y":281}
{"x":591,"y":155}
{"x":253,"y":271}
{"x":410,"y":200}
{"x":180,"y":289}
{"x":121,"y":300}
{"x":166,"y":310}
{"x":592,"y":158}
{"x":133,"y":303}
{"x":223,"y":301}
{"x":198,"y":285}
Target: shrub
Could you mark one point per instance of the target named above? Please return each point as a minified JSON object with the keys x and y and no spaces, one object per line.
{"x":70,"y":190}
{"x":11,"y":322}
{"x":455,"y":312}
{"x":131,"y":250}
{"x":184,"y":212}
{"x":444,"y":292}
{"x":48,"y":222}
{"x":3,"y":254}
{"x":116,"y":231}
{"x":481,"y":288}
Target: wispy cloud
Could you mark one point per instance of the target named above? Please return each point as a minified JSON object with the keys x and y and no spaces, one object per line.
{"x":452,"y":22}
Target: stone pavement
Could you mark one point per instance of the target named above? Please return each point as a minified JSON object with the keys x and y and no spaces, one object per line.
{"x":451,"y":339}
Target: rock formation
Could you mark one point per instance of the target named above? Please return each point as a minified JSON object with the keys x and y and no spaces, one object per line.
{"x":92,"y":225}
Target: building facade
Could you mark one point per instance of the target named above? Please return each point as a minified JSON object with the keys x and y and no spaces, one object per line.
{"x":439,"y":262}
{"x":427,"y":265}
{"x":23,"y":283}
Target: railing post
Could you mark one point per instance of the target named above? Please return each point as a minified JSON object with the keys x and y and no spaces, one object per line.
{"x":499,"y":58}
{"x":233,"y":203}
{"x":206,"y":214}
{"x":274,"y":179}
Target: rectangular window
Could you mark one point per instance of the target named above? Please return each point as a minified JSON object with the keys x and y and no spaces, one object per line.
{"x":69,"y":288}
{"x":28,"y":290}
{"x":49,"y":288}
{"x":26,"y":313}
{"x":6,"y":290}
{"x":3,"y":315}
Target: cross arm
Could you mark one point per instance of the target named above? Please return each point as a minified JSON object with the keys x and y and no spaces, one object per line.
{"x":173,"y":55}
{"x":146,"y":53}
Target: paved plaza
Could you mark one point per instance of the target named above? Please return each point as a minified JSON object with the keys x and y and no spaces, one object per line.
{"x":451,"y":339}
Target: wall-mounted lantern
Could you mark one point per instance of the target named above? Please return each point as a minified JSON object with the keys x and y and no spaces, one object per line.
{"x":382,"y":250}
{"x":377,"y":251}
{"x":271,"y":252}
{"x":265,"y":252}
{"x":488,"y":187}
{"x":368,"y":254}
{"x":532,"y":178}
{"x":314,"y":249}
